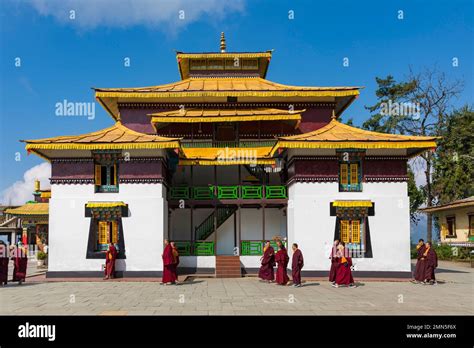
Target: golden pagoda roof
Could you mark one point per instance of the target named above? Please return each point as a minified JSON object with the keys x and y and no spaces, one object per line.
{"x":115,"y":137}
{"x":336,"y":135}
{"x":224,"y":86}
{"x":226,"y":156}
{"x":203,"y":89}
{"x":225,"y":115}
{"x":30,"y":209}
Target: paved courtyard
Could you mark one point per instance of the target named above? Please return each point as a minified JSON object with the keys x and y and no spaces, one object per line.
{"x":209,"y":296}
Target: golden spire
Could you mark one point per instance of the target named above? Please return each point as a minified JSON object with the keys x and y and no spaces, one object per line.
{"x":333,"y":116}
{"x":223,"y":45}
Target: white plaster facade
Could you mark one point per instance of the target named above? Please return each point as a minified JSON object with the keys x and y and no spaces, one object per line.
{"x":143,"y":231}
{"x":311,"y":226}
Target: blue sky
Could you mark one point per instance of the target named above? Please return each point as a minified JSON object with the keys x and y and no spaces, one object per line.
{"x":62,"y":58}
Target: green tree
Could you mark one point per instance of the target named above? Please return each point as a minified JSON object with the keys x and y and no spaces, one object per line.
{"x":416,"y":195}
{"x":453,"y":176}
{"x":422,"y":104}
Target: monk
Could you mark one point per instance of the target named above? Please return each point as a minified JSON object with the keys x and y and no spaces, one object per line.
{"x":268,"y":262}
{"x":110,"y":257}
{"x":334,"y":262}
{"x":175,"y":260}
{"x":343,"y":271}
{"x":296,"y":265}
{"x":3,"y":263}
{"x":20,"y":262}
{"x":418,"y":276}
{"x":431,"y":262}
{"x":168,"y":264}
{"x":281,"y":258}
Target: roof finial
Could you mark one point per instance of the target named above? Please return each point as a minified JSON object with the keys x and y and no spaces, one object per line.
{"x":333,"y":116}
{"x":223,"y":45}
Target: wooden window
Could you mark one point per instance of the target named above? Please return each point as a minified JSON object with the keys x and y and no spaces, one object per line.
{"x":197,"y":64}
{"x":114,"y":232}
{"x":233,"y":64}
{"x":106,"y":178}
{"x":349,"y":177}
{"x":345,"y":231}
{"x":107,"y":232}
{"x":103,"y":232}
{"x":98,"y":176}
{"x":215,"y":64}
{"x":249,"y":64}
{"x":355,"y":231}
{"x":354,"y":173}
{"x":451,"y":225}
{"x":344,"y":174}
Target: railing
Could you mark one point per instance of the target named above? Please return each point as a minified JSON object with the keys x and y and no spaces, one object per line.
{"x":206,"y":228}
{"x":228,"y":192}
{"x":197,"y":248}
{"x":222,"y":144}
{"x":255,"y":247}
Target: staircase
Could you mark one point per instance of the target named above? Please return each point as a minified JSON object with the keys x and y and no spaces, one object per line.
{"x":206,"y":228}
{"x":228,"y":267}
{"x":256,"y":171}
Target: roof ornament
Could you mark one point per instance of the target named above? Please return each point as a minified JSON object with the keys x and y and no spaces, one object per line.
{"x":333,"y":116}
{"x":223,"y":45}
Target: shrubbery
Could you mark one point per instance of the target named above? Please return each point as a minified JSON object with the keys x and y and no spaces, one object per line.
{"x":446,"y":252}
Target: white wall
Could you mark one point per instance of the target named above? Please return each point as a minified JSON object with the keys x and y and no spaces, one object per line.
{"x":311,"y":226}
{"x":143,"y":230}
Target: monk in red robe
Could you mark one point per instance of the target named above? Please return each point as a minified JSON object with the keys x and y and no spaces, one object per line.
{"x":281,"y":258}
{"x":419,"y":274}
{"x":110,"y":257}
{"x":334,"y":262}
{"x":20,"y":262}
{"x":175,"y":260}
{"x":3,"y":263}
{"x":343,"y":271}
{"x":268,"y":262}
{"x":431,"y":262}
{"x":297,"y":263}
{"x":168,"y":264}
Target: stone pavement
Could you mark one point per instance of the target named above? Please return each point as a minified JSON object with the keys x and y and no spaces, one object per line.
{"x":248,"y":296}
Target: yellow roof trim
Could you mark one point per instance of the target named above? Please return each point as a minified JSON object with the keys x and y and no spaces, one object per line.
{"x":336,"y":135}
{"x":115,"y":137}
{"x":188,"y":162}
{"x":352,"y":204}
{"x":356,"y":145}
{"x":225,"y":55}
{"x":302,"y":93}
{"x":105,"y":204}
{"x":169,"y":119}
{"x":225,"y":154}
{"x":30,"y":209}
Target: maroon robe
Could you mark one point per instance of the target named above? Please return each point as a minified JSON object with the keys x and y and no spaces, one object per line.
{"x":282,"y":259}
{"x":110,"y":257}
{"x":4,"y":260}
{"x":175,"y":262}
{"x":268,"y":262}
{"x":334,"y":262}
{"x":168,"y":265}
{"x":344,"y":273}
{"x":296,"y":266}
{"x":20,"y":262}
{"x":420,"y":265}
{"x":431,"y":262}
